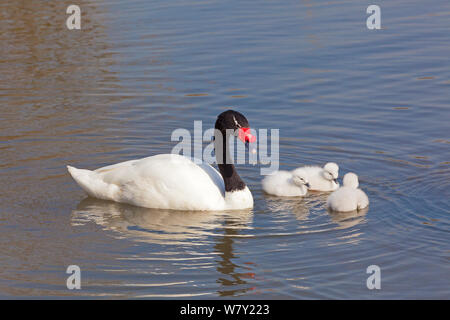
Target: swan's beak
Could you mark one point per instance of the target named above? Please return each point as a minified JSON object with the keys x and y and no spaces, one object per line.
{"x":308,"y":185}
{"x":245,"y":135}
{"x":335,"y":181}
{"x":250,"y":149}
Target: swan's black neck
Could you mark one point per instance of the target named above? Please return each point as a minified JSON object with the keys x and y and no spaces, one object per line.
{"x":226,"y":167}
{"x":232,"y":180}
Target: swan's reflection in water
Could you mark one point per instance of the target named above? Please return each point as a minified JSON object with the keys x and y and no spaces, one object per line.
{"x":156,"y":225}
{"x":192,"y":243}
{"x":185,"y":231}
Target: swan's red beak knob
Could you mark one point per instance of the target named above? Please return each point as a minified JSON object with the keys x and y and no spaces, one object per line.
{"x":245,"y":135}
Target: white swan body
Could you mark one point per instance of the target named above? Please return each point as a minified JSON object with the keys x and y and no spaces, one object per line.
{"x":285,"y":184}
{"x":348,"y":197}
{"x":321,"y":179}
{"x":175,"y":182}
{"x":165,"y":181}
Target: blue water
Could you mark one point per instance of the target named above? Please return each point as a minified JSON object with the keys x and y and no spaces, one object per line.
{"x":374,"y":101}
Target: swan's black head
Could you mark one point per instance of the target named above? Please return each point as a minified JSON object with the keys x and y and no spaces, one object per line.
{"x":228,"y":123}
{"x":236,"y":122}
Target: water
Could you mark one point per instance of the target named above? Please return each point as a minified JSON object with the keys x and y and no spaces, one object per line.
{"x":375,"y":102}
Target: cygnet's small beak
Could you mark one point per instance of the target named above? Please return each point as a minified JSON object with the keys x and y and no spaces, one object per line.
{"x":335,"y":181}
{"x":308,"y":185}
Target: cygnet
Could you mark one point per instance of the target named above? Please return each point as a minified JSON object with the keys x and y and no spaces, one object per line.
{"x":348,"y":197}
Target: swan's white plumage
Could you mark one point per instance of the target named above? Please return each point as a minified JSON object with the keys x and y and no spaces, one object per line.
{"x":348,"y":197}
{"x":317,"y":179}
{"x":282,"y":183}
{"x":165,"y":181}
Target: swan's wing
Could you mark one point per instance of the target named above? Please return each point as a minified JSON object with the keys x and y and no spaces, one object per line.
{"x":92,"y":183}
{"x":166,"y":181}
{"x":214,"y":175}
{"x":115,"y":166}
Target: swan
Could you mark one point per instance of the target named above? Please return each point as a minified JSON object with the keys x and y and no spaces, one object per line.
{"x":285,"y":184}
{"x":175,"y":182}
{"x":321,"y":179}
{"x":348,"y":197}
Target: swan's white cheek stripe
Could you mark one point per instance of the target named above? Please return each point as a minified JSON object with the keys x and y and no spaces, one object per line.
{"x":236,"y":123}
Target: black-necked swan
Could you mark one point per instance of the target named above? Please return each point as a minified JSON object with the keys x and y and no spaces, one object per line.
{"x":285,"y":184}
{"x":321,"y":179}
{"x":348,"y":197}
{"x":172,"y":181}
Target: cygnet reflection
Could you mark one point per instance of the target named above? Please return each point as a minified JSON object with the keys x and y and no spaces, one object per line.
{"x":348,"y":219}
{"x":305,"y":208}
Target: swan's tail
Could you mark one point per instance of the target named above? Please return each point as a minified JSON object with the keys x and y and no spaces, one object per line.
{"x":92,"y":183}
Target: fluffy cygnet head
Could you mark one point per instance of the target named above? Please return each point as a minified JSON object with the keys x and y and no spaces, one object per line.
{"x":351,"y":180}
{"x":331,"y":171}
{"x":299,"y":177}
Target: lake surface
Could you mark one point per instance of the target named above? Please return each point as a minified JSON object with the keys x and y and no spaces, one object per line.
{"x":374,"y":101}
